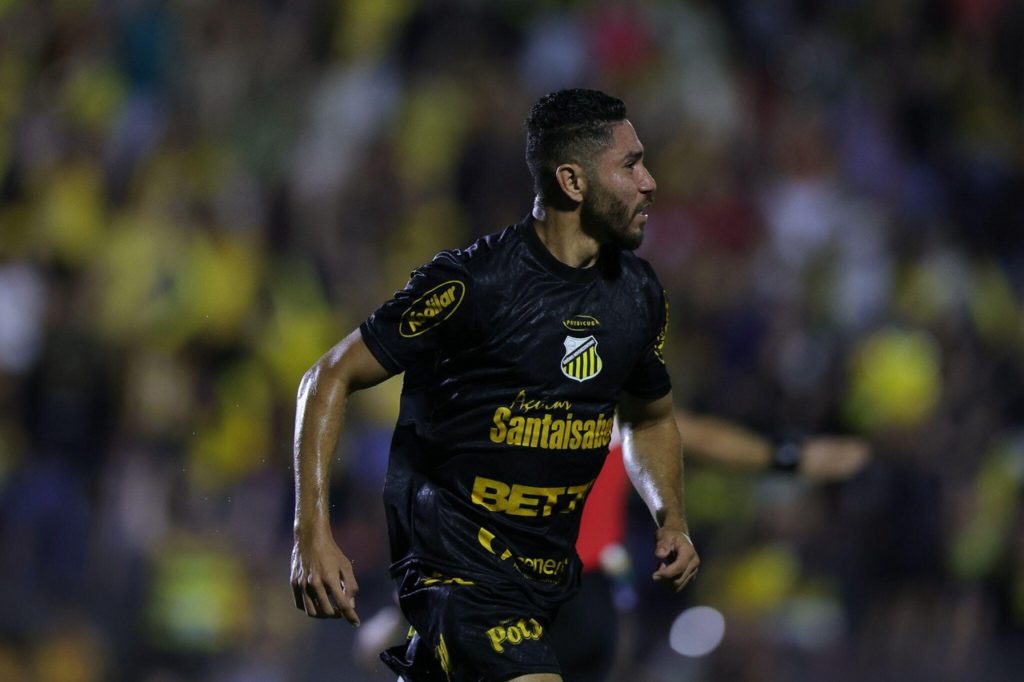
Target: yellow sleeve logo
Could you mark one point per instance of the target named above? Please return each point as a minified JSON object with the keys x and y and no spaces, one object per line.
{"x":432,"y":308}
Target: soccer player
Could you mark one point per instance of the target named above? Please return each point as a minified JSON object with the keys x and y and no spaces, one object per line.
{"x":517,"y":353}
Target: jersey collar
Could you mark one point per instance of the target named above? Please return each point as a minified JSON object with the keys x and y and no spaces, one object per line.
{"x":552,"y":264}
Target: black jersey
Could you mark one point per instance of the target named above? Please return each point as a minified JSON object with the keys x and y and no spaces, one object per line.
{"x":514,"y":363}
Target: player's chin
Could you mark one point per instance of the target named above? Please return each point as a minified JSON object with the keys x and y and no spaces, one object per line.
{"x":633,"y":236}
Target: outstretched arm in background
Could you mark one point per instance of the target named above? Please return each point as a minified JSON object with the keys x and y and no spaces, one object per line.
{"x":653,"y":455}
{"x":718,"y":441}
{"x":322,"y":580}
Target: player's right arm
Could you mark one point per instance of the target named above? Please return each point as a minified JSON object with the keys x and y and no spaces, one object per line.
{"x":433,"y":312}
{"x":323,"y":583}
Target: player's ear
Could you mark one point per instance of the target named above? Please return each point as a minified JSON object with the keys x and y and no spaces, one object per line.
{"x":571,"y":180}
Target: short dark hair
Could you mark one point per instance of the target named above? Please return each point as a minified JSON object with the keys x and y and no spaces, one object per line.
{"x":567,"y":126}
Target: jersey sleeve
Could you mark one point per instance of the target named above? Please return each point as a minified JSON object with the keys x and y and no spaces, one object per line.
{"x":433,"y":313}
{"x":649,"y":378}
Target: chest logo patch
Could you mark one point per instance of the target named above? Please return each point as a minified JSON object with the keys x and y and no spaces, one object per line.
{"x":580,"y":323}
{"x":581,"y":361}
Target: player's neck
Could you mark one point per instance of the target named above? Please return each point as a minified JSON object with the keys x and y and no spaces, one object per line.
{"x":562,"y":236}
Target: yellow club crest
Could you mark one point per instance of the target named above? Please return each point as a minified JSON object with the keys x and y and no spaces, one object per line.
{"x":581,"y":361}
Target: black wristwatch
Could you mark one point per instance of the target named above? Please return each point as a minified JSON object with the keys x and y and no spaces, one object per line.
{"x":786,"y":455}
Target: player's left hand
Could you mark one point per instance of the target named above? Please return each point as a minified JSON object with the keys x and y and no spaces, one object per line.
{"x":679,"y":560}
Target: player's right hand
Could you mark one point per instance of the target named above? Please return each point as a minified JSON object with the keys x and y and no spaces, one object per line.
{"x":323,"y":583}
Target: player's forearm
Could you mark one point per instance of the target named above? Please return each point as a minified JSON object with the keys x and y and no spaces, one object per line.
{"x":654,"y":462}
{"x":319,"y":415}
{"x":716,"y":440}
{"x":319,"y":418}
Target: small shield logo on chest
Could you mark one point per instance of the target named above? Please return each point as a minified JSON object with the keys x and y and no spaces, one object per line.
{"x":581,"y":361}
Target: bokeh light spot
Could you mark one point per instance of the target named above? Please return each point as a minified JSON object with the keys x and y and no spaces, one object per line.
{"x":697,"y":631}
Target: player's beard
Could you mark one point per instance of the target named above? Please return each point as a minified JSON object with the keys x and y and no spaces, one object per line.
{"x":608,"y":219}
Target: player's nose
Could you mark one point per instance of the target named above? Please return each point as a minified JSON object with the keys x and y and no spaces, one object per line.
{"x":647,"y":182}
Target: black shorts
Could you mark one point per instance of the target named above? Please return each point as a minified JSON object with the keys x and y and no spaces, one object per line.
{"x":587,"y":632}
{"x":465,"y":632}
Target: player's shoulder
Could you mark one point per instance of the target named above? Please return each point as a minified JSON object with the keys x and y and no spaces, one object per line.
{"x":483,"y":257}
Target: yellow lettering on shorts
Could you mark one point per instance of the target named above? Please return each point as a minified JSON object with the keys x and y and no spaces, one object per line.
{"x":438,"y":579}
{"x":443,"y":658}
{"x":514,"y":633}
{"x":497,"y":635}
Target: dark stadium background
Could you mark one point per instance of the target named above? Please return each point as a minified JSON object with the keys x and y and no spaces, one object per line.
{"x":198,"y":198}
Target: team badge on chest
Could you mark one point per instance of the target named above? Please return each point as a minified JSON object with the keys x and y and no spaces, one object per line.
{"x":581,"y":361}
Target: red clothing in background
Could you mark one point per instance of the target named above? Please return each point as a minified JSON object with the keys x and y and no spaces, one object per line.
{"x":604,"y":516}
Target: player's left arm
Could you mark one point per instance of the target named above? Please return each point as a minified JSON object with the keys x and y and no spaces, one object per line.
{"x":653,"y":455}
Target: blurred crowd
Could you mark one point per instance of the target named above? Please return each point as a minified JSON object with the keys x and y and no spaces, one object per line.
{"x":198,"y":198}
